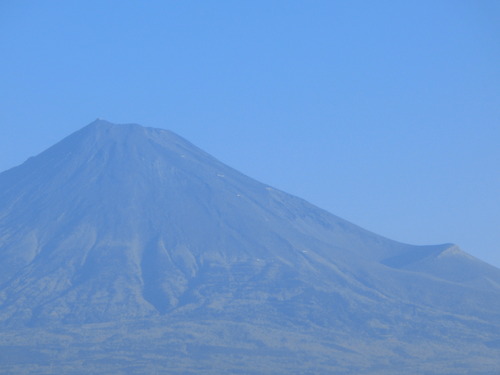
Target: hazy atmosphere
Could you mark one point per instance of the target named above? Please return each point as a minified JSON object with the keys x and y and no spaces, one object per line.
{"x":383,"y":113}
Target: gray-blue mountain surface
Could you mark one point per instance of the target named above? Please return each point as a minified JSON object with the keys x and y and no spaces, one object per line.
{"x":126,"y":249}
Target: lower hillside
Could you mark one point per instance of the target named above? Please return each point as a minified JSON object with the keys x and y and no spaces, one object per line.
{"x":173,"y":346}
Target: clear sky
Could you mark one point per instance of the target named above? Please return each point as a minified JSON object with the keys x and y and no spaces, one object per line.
{"x":386,"y":113}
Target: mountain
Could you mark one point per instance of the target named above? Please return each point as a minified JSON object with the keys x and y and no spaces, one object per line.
{"x":129,"y":249}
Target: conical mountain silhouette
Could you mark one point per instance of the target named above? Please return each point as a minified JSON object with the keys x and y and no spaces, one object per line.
{"x":122,"y":223}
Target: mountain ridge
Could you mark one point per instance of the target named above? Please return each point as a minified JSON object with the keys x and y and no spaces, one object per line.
{"x":121,"y":223}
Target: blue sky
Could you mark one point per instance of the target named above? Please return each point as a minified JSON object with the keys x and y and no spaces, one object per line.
{"x":385,"y":113}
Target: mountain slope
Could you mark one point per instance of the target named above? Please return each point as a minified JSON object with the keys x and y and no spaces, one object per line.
{"x":126,"y":223}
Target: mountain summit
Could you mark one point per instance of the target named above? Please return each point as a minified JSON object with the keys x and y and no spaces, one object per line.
{"x":121,"y":224}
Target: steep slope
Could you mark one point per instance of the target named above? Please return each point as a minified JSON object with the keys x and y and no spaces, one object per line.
{"x":122,"y":222}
